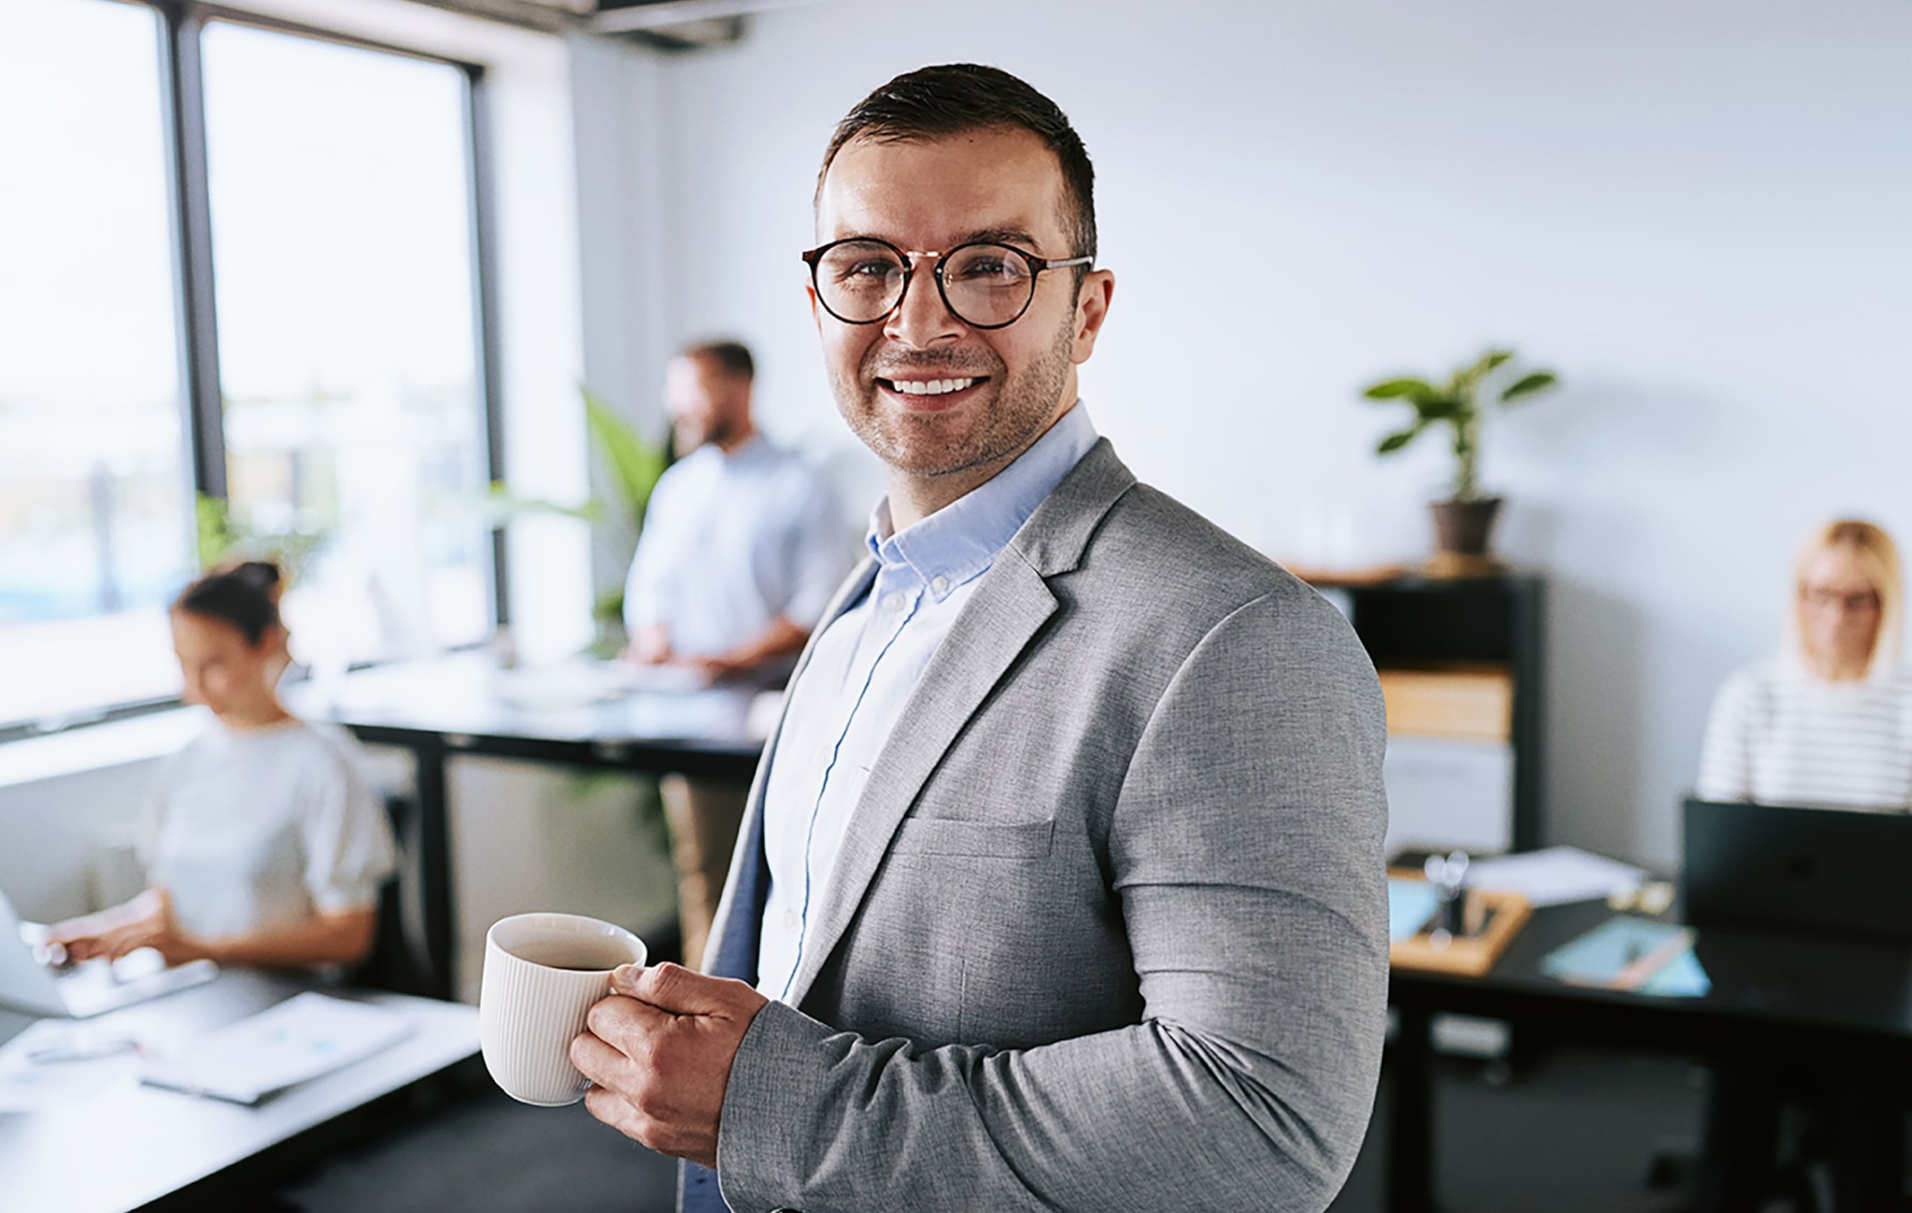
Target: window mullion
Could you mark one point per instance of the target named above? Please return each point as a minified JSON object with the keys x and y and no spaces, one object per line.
{"x":479,"y":184}
{"x":192,"y":248}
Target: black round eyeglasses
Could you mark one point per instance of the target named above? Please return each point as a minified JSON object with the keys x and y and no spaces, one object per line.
{"x":983,"y":284}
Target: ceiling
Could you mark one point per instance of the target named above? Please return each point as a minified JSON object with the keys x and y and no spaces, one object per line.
{"x":672,"y":24}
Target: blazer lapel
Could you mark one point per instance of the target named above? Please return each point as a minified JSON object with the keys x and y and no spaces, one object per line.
{"x":1010,"y":605}
{"x":738,"y":922}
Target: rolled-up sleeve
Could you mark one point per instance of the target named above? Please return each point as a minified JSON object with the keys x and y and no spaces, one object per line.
{"x":821,"y":553}
{"x":349,"y":850}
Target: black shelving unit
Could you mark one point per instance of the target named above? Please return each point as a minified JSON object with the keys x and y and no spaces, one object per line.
{"x":1500,"y":620}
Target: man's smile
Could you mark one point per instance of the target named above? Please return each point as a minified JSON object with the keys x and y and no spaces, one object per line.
{"x":931,"y":394}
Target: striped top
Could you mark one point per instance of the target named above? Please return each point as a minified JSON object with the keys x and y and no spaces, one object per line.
{"x":1780,"y":736}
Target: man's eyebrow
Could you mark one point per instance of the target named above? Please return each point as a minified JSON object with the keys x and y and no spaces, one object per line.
{"x":1000,"y":235}
{"x":987,"y":235}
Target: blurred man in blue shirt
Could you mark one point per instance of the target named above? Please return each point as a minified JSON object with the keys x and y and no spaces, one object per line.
{"x":742,"y":547}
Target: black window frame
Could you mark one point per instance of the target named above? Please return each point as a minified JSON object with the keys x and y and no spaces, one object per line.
{"x":196,"y":327}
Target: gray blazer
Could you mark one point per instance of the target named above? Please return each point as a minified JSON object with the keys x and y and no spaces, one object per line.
{"x":1107,"y":930}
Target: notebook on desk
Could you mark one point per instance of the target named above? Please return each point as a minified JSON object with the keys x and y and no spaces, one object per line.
{"x":1838,"y":870}
{"x":301,"y":1038}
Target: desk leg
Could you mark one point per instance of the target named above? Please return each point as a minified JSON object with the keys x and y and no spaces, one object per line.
{"x":1869,"y":1155}
{"x":434,"y":865}
{"x":1411,"y":1125}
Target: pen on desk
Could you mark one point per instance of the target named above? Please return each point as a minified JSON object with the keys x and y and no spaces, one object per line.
{"x":84,"y":1052}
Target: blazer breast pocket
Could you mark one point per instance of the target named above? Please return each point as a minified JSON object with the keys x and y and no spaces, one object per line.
{"x":975,"y":839}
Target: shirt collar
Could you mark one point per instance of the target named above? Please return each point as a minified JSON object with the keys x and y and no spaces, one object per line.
{"x":753,"y":446}
{"x":959,"y":542}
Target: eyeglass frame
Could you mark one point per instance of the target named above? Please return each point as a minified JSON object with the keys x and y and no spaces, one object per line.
{"x":1037,"y":264}
{"x":1854,"y":603}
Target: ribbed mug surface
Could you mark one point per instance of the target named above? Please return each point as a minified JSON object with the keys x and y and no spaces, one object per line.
{"x":529,"y":1012}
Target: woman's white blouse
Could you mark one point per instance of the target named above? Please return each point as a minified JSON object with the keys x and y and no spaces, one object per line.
{"x":263,"y":827}
{"x":1779,"y":736}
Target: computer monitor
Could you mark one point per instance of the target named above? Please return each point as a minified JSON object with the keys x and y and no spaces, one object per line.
{"x":1838,"y":870}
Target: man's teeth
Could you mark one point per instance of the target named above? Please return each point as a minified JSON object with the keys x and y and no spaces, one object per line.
{"x":930,"y":387}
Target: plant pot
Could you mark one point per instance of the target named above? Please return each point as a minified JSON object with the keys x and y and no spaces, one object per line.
{"x":1463,"y":532}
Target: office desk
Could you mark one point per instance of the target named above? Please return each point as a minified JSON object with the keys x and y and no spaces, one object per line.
{"x":1835,"y":1001}
{"x":128,"y":1145}
{"x":451,"y":705}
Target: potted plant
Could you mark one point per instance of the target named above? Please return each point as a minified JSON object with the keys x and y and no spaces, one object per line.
{"x":1464,"y":522}
{"x":636,"y":464}
{"x":224,"y":539}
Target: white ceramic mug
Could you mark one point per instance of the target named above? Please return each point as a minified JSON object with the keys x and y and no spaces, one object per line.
{"x":542,"y":973}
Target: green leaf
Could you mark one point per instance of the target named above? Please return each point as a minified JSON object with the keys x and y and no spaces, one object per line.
{"x":1527,"y":385}
{"x":1394,"y":389}
{"x":215,"y":534}
{"x":634,"y":462}
{"x":1490,"y":361}
{"x":501,"y":506}
{"x":1394,"y":442}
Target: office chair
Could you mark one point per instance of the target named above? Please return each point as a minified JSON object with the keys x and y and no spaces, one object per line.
{"x":399,"y":960}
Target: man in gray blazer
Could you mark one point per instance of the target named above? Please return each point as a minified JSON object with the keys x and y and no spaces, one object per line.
{"x":1060,"y":884}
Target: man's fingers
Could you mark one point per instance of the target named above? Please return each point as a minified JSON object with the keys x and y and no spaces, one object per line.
{"x":625,"y":1023}
{"x":600,"y":1062}
{"x":610,"y":1108}
{"x":674,"y":988}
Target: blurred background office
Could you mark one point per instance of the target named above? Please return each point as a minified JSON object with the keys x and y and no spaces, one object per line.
{"x":322,"y":279}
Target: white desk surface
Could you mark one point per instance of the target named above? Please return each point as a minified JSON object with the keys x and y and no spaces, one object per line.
{"x":127,"y":1144}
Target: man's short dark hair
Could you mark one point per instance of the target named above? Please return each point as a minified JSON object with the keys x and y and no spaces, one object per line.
{"x":730,"y":357}
{"x":955,"y":98}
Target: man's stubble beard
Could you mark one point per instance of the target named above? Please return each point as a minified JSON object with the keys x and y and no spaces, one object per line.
{"x":1021,"y":411}
{"x":690,"y":436}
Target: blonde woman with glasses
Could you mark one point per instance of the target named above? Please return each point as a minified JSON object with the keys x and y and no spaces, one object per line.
{"x":1828,"y":723}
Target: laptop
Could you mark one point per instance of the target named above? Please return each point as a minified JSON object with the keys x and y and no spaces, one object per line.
{"x":27,"y":983}
{"x":1836,"y":870}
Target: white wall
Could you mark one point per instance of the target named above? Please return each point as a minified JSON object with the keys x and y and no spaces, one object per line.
{"x":1697,"y":213}
{"x":618,"y":124}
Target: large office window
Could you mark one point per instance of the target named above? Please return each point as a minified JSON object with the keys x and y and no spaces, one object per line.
{"x":96,"y":516}
{"x":341,"y":236}
{"x":324,"y":207}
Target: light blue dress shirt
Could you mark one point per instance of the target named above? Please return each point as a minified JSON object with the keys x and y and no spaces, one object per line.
{"x":731,"y":542}
{"x":863,"y":669}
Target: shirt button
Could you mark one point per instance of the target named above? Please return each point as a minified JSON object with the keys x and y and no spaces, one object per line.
{"x":792,"y":920}
{"x":940,"y":584}
{"x":893,"y":601}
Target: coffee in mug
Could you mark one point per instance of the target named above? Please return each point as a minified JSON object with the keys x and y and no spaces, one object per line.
{"x":542,"y":974}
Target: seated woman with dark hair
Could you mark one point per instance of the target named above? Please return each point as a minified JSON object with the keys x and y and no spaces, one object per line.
{"x":263,"y":843}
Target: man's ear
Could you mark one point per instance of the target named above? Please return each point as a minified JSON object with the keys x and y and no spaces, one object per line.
{"x":816,"y":317}
{"x":1092,"y":308}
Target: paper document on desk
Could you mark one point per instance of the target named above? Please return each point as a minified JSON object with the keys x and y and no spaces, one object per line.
{"x":303,"y":1037}
{"x":1410,"y":904}
{"x":1555,"y":876}
{"x":1627,"y":953}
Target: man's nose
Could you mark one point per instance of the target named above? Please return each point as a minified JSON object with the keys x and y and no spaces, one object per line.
{"x":920,"y":319}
